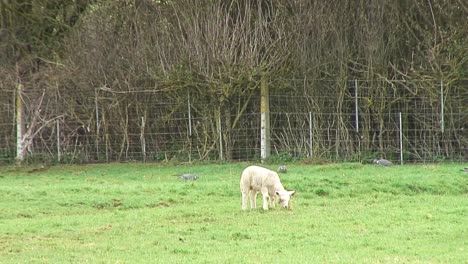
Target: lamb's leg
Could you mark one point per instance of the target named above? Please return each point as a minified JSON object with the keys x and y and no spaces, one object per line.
{"x":245,"y":197}
{"x":253,"y":199}
{"x":265,"y":199}
{"x":272,"y":201}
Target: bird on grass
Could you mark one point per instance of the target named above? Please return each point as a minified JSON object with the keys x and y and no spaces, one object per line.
{"x":39,"y":169}
{"x":383,"y":162}
{"x":282,"y":169}
{"x":188,"y":177}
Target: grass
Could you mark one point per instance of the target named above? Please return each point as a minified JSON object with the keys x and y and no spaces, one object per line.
{"x":142,"y":213}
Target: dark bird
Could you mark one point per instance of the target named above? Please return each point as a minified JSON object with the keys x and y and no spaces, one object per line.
{"x":383,"y":162}
{"x":40,"y":169}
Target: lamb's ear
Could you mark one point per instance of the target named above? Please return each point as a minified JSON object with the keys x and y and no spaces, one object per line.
{"x":291,"y":193}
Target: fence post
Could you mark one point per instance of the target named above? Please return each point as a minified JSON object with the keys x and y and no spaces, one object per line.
{"x":190,"y":126}
{"x":442,"y":121}
{"x":310,"y":134}
{"x":19,"y":124}
{"x":220,"y":134}
{"x":356,"y":105}
{"x":142,"y":136}
{"x":401,"y":138}
{"x":96,"y":106}
{"x":265,"y":133}
{"x":189,"y":113}
{"x":59,"y":154}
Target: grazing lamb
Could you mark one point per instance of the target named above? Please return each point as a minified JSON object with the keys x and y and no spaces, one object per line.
{"x":256,"y":179}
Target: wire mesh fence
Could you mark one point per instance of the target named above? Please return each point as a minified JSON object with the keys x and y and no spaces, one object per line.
{"x":347,"y":121}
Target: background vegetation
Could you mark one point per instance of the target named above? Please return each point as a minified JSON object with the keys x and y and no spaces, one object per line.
{"x":127,"y":67}
{"x":128,"y":213}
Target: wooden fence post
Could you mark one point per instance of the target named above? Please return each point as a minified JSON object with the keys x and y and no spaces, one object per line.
{"x":19,"y":124}
{"x":265,"y":134}
{"x":401,"y":138}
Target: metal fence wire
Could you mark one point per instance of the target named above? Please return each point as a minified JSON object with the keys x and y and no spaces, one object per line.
{"x":316,"y":120}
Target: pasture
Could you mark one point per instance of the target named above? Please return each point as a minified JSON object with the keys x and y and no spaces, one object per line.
{"x":142,"y":213}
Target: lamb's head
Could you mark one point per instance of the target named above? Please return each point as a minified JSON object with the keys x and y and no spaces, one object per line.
{"x":284,"y":197}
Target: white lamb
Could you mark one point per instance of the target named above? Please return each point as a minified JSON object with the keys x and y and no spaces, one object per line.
{"x":256,"y":179}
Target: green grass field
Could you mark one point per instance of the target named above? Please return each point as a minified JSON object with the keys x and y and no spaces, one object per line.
{"x":142,"y":213}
